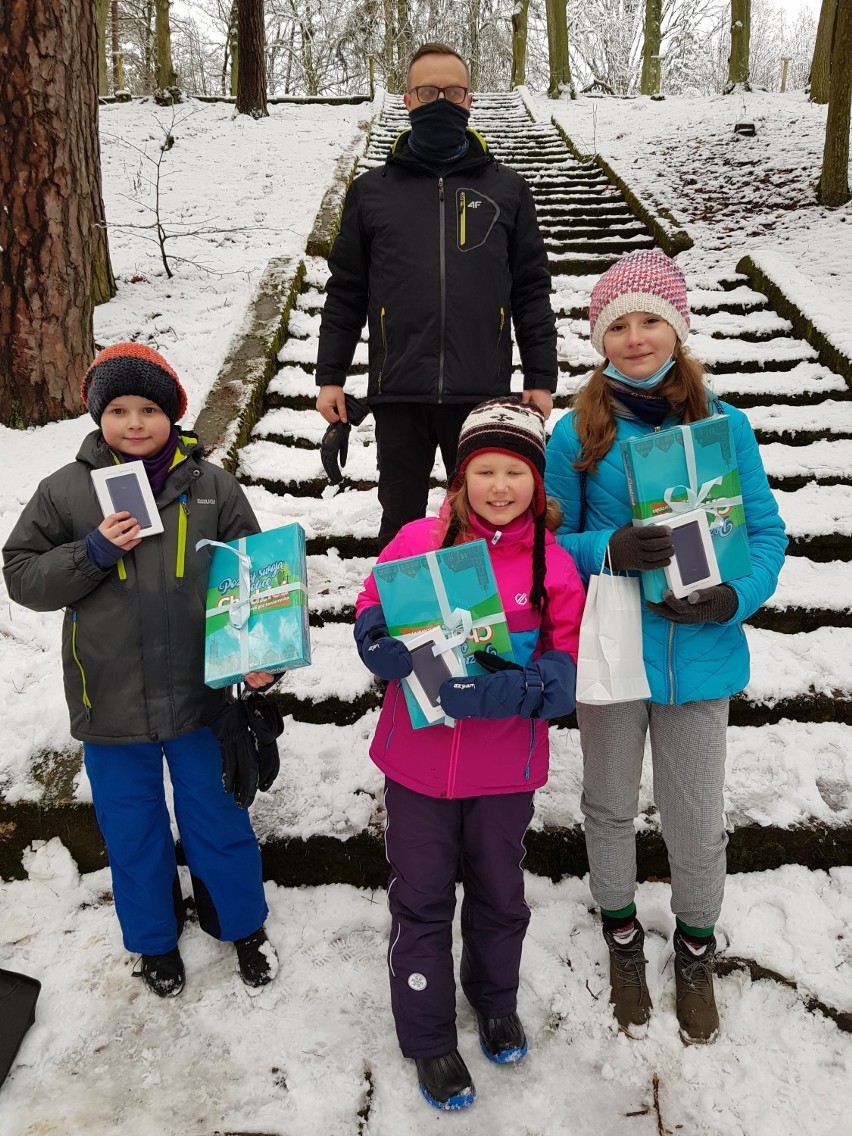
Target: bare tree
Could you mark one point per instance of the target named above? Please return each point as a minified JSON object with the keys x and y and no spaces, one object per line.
{"x":834,"y":180}
{"x":821,"y":64}
{"x":55,"y":266}
{"x":557,"y":42}
{"x":651,"y":48}
{"x":251,"y":84}
{"x":166,"y":77}
{"x":519,"y":42}
{"x":740,"y":36}
{"x":102,"y":12}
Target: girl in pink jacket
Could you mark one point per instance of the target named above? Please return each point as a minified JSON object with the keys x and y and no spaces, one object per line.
{"x":467,"y":791}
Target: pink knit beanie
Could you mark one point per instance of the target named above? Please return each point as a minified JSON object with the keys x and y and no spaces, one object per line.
{"x":643,"y":281}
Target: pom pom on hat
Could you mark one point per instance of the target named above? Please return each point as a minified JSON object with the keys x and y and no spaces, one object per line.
{"x":132,"y":369}
{"x":642,"y":281}
{"x":509,"y":427}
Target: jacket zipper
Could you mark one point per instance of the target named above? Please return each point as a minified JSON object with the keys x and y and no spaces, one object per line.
{"x":443,"y":270}
{"x":670,"y":663}
{"x":86,"y":700}
{"x":454,"y":760}
{"x":530,"y":753}
{"x":462,"y":219}
{"x":385,"y":347}
{"x":183,"y":514}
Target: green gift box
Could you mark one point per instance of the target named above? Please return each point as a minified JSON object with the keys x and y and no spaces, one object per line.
{"x":453,"y":589}
{"x":686,"y":468}
{"x":257,"y":606}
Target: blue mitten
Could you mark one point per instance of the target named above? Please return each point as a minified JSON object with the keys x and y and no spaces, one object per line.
{"x":544,"y":689}
{"x":385,"y":656}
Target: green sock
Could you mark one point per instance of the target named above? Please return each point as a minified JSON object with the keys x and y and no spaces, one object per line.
{"x":694,"y":933}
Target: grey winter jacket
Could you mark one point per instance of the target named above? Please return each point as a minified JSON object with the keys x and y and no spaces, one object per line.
{"x":133,"y":635}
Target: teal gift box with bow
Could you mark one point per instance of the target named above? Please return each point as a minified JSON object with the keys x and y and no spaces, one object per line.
{"x":686,"y":468}
{"x":453,"y":589}
{"x":257,"y":606}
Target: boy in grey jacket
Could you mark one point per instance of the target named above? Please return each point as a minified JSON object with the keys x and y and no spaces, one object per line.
{"x":133,"y":663}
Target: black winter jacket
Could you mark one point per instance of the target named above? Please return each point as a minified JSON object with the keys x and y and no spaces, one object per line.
{"x":438,"y":267}
{"x":133,"y":635}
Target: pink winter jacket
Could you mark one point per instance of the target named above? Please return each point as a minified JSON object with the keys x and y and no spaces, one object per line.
{"x":479,"y":756}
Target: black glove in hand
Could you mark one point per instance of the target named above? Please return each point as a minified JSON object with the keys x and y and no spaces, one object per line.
{"x":240,"y":765}
{"x":707,"y":605}
{"x":334,"y":447}
{"x":641,"y":548}
{"x":267,"y":725}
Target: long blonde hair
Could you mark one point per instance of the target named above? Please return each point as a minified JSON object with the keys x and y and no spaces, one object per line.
{"x":594,"y":415}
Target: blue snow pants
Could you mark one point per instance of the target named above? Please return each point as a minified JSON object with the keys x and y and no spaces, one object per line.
{"x":219,"y":843}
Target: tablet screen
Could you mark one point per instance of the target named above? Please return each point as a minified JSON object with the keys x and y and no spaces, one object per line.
{"x":431,"y":670}
{"x":124,"y":492}
{"x":689,"y":553}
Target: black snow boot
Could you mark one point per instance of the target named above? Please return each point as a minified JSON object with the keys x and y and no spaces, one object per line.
{"x":257,"y":959}
{"x":445,"y":1081}
{"x":631,"y":1002}
{"x":164,"y":973}
{"x":502,"y":1039}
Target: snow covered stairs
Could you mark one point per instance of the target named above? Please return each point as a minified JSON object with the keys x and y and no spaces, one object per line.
{"x":323,"y":823}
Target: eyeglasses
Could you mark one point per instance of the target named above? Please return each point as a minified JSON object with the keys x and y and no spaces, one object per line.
{"x":430,"y":94}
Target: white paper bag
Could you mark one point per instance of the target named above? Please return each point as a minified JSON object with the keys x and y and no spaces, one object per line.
{"x":610,"y":667}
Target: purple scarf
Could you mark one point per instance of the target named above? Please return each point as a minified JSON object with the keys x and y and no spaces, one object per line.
{"x":159,"y":466}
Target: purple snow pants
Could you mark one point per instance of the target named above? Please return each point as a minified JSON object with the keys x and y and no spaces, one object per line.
{"x":424,"y":839}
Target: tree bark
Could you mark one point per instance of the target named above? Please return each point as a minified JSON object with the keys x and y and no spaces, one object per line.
{"x":393,"y":80}
{"x":834,"y":180}
{"x":474,"y":13}
{"x":166,"y":76}
{"x":251,"y":81}
{"x":740,"y":40}
{"x":519,"y":42}
{"x":821,"y":63}
{"x":557,"y":48}
{"x":55,"y":263}
{"x":103,"y":7}
{"x":404,"y":43}
{"x":234,"y":44}
{"x":117,"y":62}
{"x":650,"y":82}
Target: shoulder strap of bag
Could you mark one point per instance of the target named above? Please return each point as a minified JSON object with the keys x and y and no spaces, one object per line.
{"x":581,"y":524}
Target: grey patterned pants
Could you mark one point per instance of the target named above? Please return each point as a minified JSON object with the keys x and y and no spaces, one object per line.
{"x":688,"y":756}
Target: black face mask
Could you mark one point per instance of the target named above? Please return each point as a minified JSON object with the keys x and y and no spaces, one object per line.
{"x":438,"y":129}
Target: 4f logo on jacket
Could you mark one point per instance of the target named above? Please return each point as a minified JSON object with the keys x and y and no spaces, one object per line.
{"x":476,"y":216}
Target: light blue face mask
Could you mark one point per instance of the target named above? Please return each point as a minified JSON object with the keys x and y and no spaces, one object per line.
{"x":639,"y":384}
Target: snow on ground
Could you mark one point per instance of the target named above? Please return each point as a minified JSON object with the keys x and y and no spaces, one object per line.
{"x":734,"y":194}
{"x":314,"y":1053}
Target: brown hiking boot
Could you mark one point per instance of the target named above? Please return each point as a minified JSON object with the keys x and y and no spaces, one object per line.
{"x":631,"y":1002}
{"x":696,"y":1004}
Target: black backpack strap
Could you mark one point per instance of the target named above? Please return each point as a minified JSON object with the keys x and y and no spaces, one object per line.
{"x":581,"y":524}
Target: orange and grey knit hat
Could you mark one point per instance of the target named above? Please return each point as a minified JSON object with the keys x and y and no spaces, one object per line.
{"x":132,"y":368}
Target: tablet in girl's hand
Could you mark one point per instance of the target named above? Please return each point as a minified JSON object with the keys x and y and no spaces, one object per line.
{"x":694,"y":564}
{"x":125,"y":487}
{"x":432,"y":663}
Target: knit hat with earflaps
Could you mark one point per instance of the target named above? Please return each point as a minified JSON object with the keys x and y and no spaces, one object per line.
{"x":642,"y":281}
{"x":132,"y":368}
{"x":508,"y":426}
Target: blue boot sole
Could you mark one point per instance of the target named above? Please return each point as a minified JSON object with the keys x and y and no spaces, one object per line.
{"x":459,"y":1101}
{"x":508,"y":1056}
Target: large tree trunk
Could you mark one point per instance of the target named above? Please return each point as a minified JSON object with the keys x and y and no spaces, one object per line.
{"x":519,"y":43}
{"x":557,"y":48}
{"x":821,"y":63}
{"x":404,"y":41}
{"x":393,"y":80}
{"x":55,"y":262}
{"x":740,"y":40}
{"x":102,"y":12}
{"x":166,"y":76}
{"x":834,"y":180}
{"x":650,"y":82}
{"x":117,"y":61}
{"x":251,"y":83}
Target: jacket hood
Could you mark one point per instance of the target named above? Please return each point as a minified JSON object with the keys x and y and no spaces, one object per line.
{"x":477,"y":155}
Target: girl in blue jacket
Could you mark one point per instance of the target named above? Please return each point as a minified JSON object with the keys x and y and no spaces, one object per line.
{"x":695,"y":650}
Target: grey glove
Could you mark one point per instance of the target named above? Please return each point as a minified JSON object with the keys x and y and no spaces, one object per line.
{"x":707,"y":605}
{"x":641,"y":548}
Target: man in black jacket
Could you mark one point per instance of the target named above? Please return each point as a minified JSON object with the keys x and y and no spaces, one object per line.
{"x":438,"y":251}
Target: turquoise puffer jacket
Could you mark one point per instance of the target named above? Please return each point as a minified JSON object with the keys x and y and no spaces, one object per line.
{"x":684,"y":663}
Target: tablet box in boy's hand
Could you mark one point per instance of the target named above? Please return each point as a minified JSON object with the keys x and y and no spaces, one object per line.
{"x":257,"y":606}
{"x":686,"y":468}
{"x":125,"y":488}
{"x":452,"y":589}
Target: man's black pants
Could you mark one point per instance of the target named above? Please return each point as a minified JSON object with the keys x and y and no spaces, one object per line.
{"x":407,"y":436}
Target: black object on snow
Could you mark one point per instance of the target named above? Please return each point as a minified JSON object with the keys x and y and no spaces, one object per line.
{"x":18,"y":996}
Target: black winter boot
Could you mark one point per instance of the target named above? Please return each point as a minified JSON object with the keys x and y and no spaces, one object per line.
{"x":164,"y":973}
{"x":697,"y":1015}
{"x":257,"y":959}
{"x":631,"y":1002}
{"x":445,"y":1081}
{"x":502,"y":1039}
